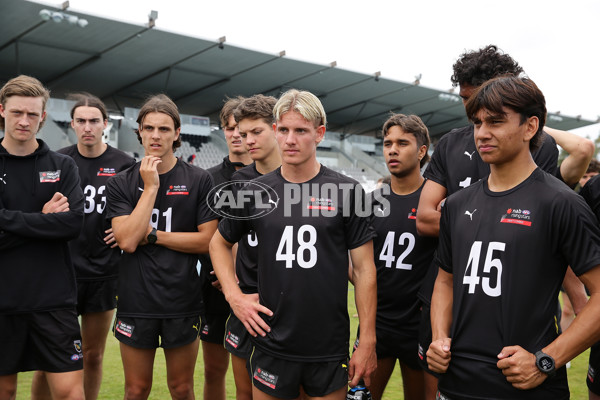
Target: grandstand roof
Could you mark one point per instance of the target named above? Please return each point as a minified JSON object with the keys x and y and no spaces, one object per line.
{"x":123,"y":63}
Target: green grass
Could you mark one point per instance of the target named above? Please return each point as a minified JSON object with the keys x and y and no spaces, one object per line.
{"x":113,"y":382}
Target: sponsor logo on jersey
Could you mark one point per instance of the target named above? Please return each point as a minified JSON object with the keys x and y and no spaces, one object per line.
{"x":49,"y":176}
{"x":181,"y":190}
{"x":124,"y":329}
{"x":470,"y":155}
{"x":106,"y":172}
{"x":77,"y":345}
{"x":229,"y":199}
{"x":266,"y":378}
{"x":517,"y":216}
{"x":232,"y":339}
{"x":412,"y":214}
{"x":2,"y":179}
{"x":470,"y":213}
{"x":320,"y":203}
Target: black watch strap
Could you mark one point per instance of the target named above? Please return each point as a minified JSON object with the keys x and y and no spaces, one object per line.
{"x":545,"y":363}
{"x":152,"y":236}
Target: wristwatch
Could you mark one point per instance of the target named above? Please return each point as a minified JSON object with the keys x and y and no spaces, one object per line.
{"x":545,"y":363}
{"x":152,"y":236}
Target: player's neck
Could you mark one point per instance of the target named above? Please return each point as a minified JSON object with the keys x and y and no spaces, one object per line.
{"x":508,"y":175}
{"x":92,"y":151}
{"x":243,"y":158}
{"x":407,"y":184}
{"x":270,"y":163}
{"x":17,"y":148}
{"x":167,"y":164}
{"x":300,"y":173}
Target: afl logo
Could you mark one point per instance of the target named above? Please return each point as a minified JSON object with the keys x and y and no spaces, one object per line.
{"x":231,"y":200}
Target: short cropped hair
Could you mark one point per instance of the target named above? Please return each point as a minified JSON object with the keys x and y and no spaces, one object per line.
{"x":256,"y":107}
{"x":475,"y":67}
{"x":160,"y":103}
{"x":410,"y":124}
{"x":26,"y":86}
{"x":519,"y":94}
{"x":594,"y":166}
{"x":305,"y":103}
{"x":228,"y":109}
{"x":85,"y":99}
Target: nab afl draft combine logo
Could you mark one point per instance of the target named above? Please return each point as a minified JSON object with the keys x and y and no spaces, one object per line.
{"x":180,"y":190}
{"x":229,"y":198}
{"x":106,"y":172}
{"x":517,"y":216}
{"x":49,"y":176}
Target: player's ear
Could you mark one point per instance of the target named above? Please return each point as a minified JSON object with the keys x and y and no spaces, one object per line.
{"x":320,"y":133}
{"x":531,"y":127}
{"x":422,"y":152}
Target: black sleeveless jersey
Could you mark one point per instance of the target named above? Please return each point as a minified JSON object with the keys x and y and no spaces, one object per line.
{"x":508,"y":253}
{"x":155,"y":281}
{"x":305,"y":233}
{"x":92,"y":258}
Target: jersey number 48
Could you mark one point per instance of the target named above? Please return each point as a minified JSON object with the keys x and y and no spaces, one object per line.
{"x":306,"y":246}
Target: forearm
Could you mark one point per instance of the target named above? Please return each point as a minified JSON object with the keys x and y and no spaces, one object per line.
{"x":441,"y":306}
{"x":428,"y":221}
{"x":583,"y":332}
{"x":131,"y":229}
{"x":364,"y":278}
{"x":188,"y":242}
{"x":575,"y":290}
{"x":222,"y":260}
{"x":580,"y":151}
{"x":56,"y":226}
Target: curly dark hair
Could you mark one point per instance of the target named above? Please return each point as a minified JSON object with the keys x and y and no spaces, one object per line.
{"x":476,"y":67}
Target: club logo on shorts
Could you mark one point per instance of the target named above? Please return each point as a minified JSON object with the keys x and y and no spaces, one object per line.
{"x":421,"y":352}
{"x":266,"y":378}
{"x":205,"y":329}
{"x":49,"y":176}
{"x":124,"y":329}
{"x":232,"y":339}
{"x":180,"y":190}
{"x":77,"y":345}
{"x":106,"y":172}
{"x":76,"y":357}
{"x":517,"y":216}
{"x":591,"y":373}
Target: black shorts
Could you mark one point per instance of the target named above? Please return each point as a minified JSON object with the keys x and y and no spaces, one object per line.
{"x":396,"y":346}
{"x":593,"y":375}
{"x":46,"y":341}
{"x":213,"y":328}
{"x":96,"y":296}
{"x":237,"y":339}
{"x":151,"y":333}
{"x":424,"y":339}
{"x":282,"y":378}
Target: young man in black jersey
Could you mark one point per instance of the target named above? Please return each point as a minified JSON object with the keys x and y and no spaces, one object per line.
{"x":216,"y":358}
{"x":456,"y":164}
{"x":159,"y":288}
{"x":590,"y":191}
{"x":505,"y":244}
{"x":254,"y":116}
{"x":95,"y":254}
{"x":298,"y":319}
{"x":41,"y":209}
{"x":402,"y":257}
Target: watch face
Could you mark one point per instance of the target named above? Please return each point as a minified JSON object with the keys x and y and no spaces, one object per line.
{"x":546,"y":363}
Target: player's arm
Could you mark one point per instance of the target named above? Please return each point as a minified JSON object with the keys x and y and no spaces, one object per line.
{"x":364,"y":276}
{"x":245,"y":306}
{"x":428,"y":212}
{"x":519,"y":366}
{"x":575,"y":290}
{"x":132,"y":230}
{"x":438,"y":355}
{"x":187,"y":242}
{"x":580,"y":150}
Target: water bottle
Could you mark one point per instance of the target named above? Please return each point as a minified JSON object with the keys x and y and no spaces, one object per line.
{"x":359,"y":392}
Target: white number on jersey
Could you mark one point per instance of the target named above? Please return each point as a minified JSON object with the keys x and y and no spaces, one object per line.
{"x":465,"y":183}
{"x":252,"y":239}
{"x":387,"y":251}
{"x":472,"y":277}
{"x":90,"y":200}
{"x":285,"y":250}
{"x":168,"y":217}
